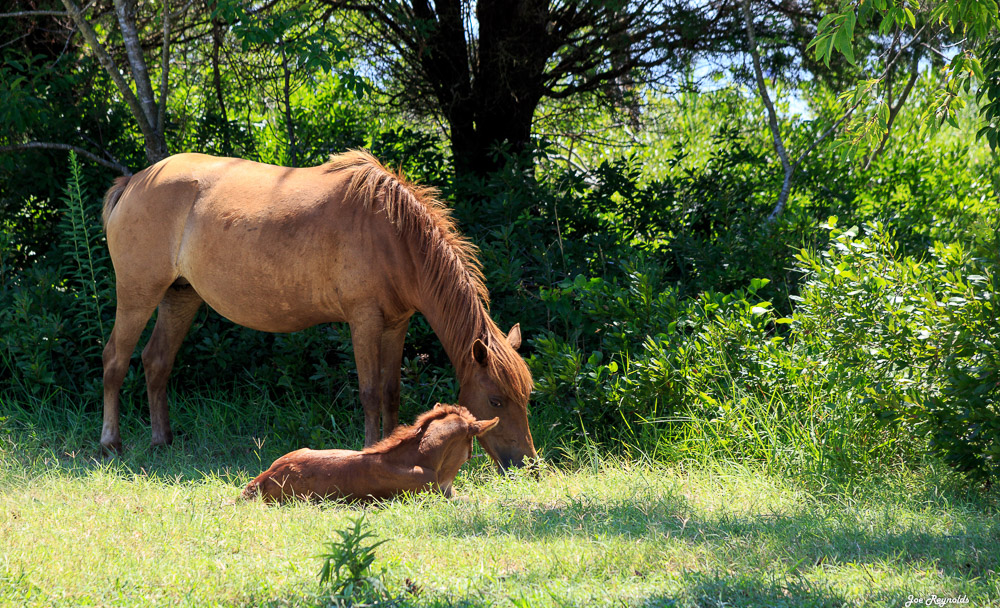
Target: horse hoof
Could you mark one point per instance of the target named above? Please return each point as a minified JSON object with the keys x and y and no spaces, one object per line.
{"x":112,"y":448}
{"x":163,"y":441}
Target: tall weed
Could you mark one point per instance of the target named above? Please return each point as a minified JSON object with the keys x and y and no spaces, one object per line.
{"x":913,"y":339}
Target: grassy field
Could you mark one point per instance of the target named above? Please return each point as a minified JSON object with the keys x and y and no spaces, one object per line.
{"x":157,"y":528}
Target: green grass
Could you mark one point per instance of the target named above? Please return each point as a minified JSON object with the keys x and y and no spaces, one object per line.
{"x":160,"y":527}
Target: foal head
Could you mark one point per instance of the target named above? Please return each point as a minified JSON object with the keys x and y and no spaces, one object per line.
{"x":447,"y":436}
{"x":442,"y":436}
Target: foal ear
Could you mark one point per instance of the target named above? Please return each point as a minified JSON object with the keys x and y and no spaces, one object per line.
{"x":514,"y":336}
{"x":479,"y":352}
{"x":481,"y":426}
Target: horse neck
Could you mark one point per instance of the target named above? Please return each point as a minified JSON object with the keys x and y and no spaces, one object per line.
{"x":407,"y":454}
{"x":459,"y":319}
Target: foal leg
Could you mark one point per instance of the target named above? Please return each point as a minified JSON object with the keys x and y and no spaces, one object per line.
{"x":393,"y":338}
{"x":177,"y":310}
{"x":129,"y":323}
{"x":366,"y":336}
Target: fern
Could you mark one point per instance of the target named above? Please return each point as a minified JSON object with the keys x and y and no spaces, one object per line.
{"x":87,"y":273}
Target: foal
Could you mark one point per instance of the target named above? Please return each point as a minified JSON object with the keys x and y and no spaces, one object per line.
{"x":425,"y":456}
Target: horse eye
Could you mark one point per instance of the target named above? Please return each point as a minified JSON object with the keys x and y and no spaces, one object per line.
{"x":495,"y":402}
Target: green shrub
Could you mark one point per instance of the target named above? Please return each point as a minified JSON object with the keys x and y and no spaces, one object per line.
{"x":348,"y":567}
{"x":52,"y":315}
{"x":661,"y":316}
{"x":915,"y":340}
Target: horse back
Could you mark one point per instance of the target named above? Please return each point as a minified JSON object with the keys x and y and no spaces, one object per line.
{"x":273,"y":248}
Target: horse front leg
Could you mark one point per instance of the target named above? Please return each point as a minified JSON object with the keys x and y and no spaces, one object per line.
{"x":366,"y":336}
{"x":393,"y":338}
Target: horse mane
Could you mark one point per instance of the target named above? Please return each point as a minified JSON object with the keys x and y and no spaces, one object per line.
{"x":413,"y":432}
{"x":452,"y":271}
{"x":417,"y":213}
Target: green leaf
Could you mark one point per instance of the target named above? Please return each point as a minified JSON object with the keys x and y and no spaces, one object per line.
{"x":849,"y":53}
{"x":977,"y":68}
{"x":849,"y":22}
{"x":824,"y":49}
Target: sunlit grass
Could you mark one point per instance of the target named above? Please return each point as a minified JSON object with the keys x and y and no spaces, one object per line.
{"x":162,"y":528}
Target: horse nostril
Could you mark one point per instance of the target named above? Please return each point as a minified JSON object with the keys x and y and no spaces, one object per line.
{"x":505,"y":462}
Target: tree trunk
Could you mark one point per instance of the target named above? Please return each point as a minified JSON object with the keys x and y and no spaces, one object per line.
{"x":505,"y":85}
{"x":144,"y":108}
{"x":500,"y":126}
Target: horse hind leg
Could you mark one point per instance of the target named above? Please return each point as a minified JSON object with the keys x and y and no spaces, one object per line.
{"x":129,"y":323}
{"x":176,"y":312}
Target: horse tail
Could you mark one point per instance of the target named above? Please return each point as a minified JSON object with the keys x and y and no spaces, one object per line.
{"x":111,"y":198}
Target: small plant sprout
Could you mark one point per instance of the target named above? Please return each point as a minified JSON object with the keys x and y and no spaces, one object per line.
{"x":347,"y":566}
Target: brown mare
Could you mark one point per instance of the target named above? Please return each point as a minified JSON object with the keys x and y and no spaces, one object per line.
{"x":280,"y":249}
{"x":418,"y":458}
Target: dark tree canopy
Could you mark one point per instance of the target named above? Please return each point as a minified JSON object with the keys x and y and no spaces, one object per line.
{"x":483,"y":67}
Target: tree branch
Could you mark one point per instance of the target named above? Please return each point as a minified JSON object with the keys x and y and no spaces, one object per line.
{"x":125,"y":11}
{"x":109,"y":66}
{"x":36,"y":14}
{"x":772,"y":117}
{"x":789,"y":168}
{"x":893,"y":112}
{"x":36,"y":145}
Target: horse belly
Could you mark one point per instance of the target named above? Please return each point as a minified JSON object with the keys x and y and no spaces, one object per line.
{"x":273,"y":312}
{"x":272,"y":287}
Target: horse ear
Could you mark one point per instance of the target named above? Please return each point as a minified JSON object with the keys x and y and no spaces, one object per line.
{"x":514,"y":336}
{"x":479,"y":352}
{"x":481,"y":426}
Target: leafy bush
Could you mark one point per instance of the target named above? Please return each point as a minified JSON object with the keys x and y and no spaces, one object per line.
{"x":661,"y":315}
{"x":52,"y":316}
{"x":914,"y":339}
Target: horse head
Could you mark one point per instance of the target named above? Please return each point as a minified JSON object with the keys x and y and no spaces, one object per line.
{"x":498,"y":384}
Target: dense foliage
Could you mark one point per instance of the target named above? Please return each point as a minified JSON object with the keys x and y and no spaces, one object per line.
{"x":662,"y":316}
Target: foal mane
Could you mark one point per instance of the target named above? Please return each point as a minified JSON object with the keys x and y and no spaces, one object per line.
{"x":453,"y":274}
{"x":406,"y":434}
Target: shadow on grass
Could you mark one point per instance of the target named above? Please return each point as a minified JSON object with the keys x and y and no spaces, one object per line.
{"x":806,"y":536}
{"x":776,"y":548}
{"x":693,"y":589}
{"x":706,"y":590}
{"x":212,"y":434}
